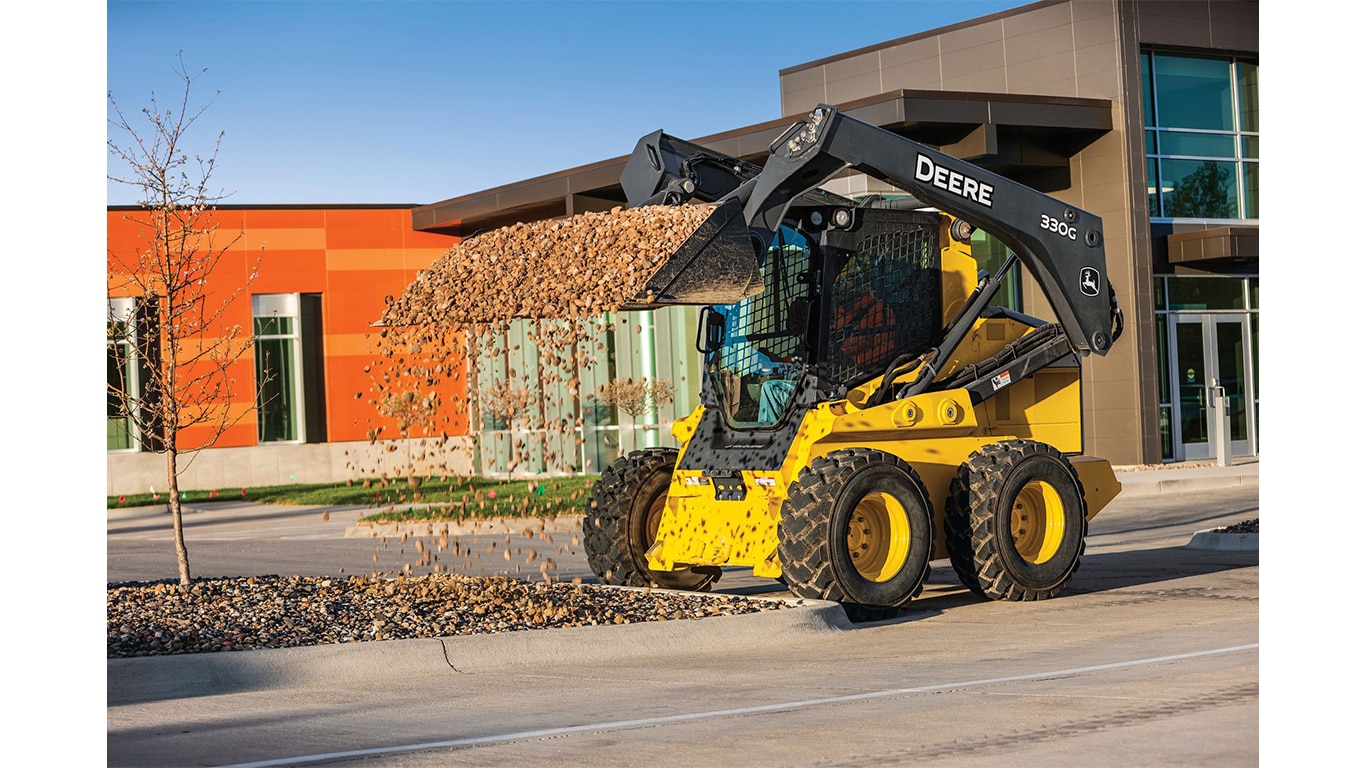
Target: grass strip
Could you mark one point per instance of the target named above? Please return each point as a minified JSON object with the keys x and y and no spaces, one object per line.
{"x":398,"y":500}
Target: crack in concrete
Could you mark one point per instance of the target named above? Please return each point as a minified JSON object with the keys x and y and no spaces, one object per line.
{"x":446,"y":654}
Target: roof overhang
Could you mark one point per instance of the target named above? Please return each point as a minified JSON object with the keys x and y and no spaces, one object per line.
{"x":1027,"y":138}
{"x":1232,"y":243}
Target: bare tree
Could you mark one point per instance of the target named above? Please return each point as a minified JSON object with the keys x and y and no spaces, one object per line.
{"x":412,"y":412}
{"x":179,"y":344}
{"x":507,"y":401}
{"x":636,"y":397}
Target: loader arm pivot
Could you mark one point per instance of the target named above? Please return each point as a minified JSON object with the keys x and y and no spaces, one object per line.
{"x":1061,"y":245}
{"x":666,"y":170}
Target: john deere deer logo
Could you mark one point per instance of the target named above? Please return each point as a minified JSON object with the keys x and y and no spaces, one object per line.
{"x":1090,"y":281}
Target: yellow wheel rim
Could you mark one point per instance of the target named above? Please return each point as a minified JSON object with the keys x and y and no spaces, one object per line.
{"x":879,"y":537}
{"x":653,"y":518}
{"x":1037,"y":522}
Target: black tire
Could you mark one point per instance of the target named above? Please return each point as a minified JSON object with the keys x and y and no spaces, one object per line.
{"x":1015,"y":523}
{"x":857,"y":528}
{"x":622,"y":518}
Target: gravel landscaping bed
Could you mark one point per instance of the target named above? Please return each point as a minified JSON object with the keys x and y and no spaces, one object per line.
{"x":161,"y":618}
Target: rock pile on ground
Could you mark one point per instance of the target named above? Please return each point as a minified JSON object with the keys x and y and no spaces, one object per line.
{"x":161,"y":618}
{"x":572,"y":268}
{"x":1246,"y":526}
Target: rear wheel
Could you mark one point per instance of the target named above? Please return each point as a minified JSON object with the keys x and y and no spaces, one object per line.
{"x":1016,"y":521}
{"x":857,"y":529}
{"x":623,"y":517}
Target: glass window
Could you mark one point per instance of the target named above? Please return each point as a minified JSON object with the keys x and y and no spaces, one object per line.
{"x":1160,"y":293}
{"x":1252,"y":182}
{"x":121,"y":364}
{"x":1164,"y":385}
{"x":1249,"y":103}
{"x":1205,"y":292}
{"x":1197,"y":144}
{"x":1165,"y":424}
{"x":1230,"y":355}
{"x":1199,"y":189}
{"x":276,"y":326}
{"x":1154,"y":200}
{"x":1201,"y":118}
{"x":1193,"y":92}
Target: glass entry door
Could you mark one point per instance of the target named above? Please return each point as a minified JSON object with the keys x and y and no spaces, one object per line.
{"x":1210,"y":350}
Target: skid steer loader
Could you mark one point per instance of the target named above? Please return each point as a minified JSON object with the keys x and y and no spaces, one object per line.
{"x":866,"y":409}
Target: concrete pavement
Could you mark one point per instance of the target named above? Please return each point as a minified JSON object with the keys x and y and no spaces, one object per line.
{"x":169,"y":677}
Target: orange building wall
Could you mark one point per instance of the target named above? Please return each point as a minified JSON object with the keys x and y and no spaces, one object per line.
{"x":353,"y":257}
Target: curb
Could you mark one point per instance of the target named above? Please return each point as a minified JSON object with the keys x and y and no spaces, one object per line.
{"x":504,"y":525}
{"x":1224,"y":542}
{"x":156,"y":678}
{"x":1130,"y":488}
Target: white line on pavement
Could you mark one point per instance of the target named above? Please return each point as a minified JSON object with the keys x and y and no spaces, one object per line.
{"x":689,"y":717}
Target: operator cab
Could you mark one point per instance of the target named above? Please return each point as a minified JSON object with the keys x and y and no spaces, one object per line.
{"x":839,"y":305}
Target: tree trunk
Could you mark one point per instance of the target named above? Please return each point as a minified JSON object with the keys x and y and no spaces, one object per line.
{"x":182,"y":555}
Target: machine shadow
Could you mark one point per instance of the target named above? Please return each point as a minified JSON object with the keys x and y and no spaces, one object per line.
{"x":1098,"y":573}
{"x":1118,"y":570}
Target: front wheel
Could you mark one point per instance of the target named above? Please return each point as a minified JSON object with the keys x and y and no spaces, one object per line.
{"x":1016,"y":521}
{"x":622,"y":519}
{"x":857,"y":529}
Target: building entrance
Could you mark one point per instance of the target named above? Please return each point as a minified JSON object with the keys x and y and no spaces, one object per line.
{"x":1208,"y":350}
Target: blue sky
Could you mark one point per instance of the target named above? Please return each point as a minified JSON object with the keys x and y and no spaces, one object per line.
{"x":325,"y":101}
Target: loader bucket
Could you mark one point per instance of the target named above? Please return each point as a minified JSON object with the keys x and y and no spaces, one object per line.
{"x":715,"y":265}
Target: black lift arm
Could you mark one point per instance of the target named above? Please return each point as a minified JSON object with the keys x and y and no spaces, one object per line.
{"x":1061,"y":245}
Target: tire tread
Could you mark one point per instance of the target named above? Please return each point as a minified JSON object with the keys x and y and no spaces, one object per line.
{"x":607,"y":529}
{"x":970,"y":535}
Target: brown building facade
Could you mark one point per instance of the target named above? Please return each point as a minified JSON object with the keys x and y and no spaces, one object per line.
{"x":1144,"y":112}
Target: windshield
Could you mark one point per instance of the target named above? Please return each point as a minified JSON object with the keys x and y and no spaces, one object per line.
{"x":756,"y":369}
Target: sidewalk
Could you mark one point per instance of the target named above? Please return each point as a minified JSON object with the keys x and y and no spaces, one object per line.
{"x":155,"y":678}
{"x":1187,"y":476}
{"x":1196,"y":476}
